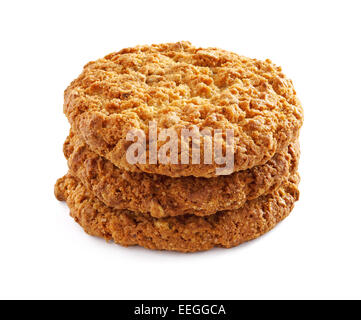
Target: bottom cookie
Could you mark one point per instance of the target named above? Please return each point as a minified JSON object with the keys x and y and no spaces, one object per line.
{"x":186,"y":233}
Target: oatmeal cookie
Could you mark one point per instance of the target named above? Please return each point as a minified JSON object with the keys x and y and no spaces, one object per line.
{"x":186,"y":233}
{"x":179,"y":86}
{"x":162,"y":196}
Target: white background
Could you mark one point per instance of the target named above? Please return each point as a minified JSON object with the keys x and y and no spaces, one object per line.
{"x":315,"y":253}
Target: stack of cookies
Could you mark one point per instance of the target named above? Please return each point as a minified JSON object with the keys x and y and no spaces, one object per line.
{"x":135,"y":179}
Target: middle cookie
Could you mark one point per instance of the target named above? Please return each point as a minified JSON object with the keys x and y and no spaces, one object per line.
{"x":163,"y":196}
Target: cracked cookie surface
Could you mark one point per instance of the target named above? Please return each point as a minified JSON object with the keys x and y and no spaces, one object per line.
{"x":179,"y":86}
{"x":186,"y":233}
{"x":162,"y":196}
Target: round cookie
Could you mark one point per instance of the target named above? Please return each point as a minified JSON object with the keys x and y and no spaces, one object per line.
{"x":162,"y":196}
{"x":187,"y":233}
{"x":179,"y":86}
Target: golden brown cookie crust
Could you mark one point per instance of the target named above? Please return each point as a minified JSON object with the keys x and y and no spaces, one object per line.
{"x":178,"y":85}
{"x":187,"y":233}
{"x":162,"y":196}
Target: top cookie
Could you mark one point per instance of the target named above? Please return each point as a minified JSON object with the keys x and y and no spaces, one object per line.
{"x":178,"y":86}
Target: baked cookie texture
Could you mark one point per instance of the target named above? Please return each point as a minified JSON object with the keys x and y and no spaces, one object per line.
{"x":178,"y":86}
{"x":180,"y":207}
{"x":162,"y":196}
{"x":187,"y":233}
